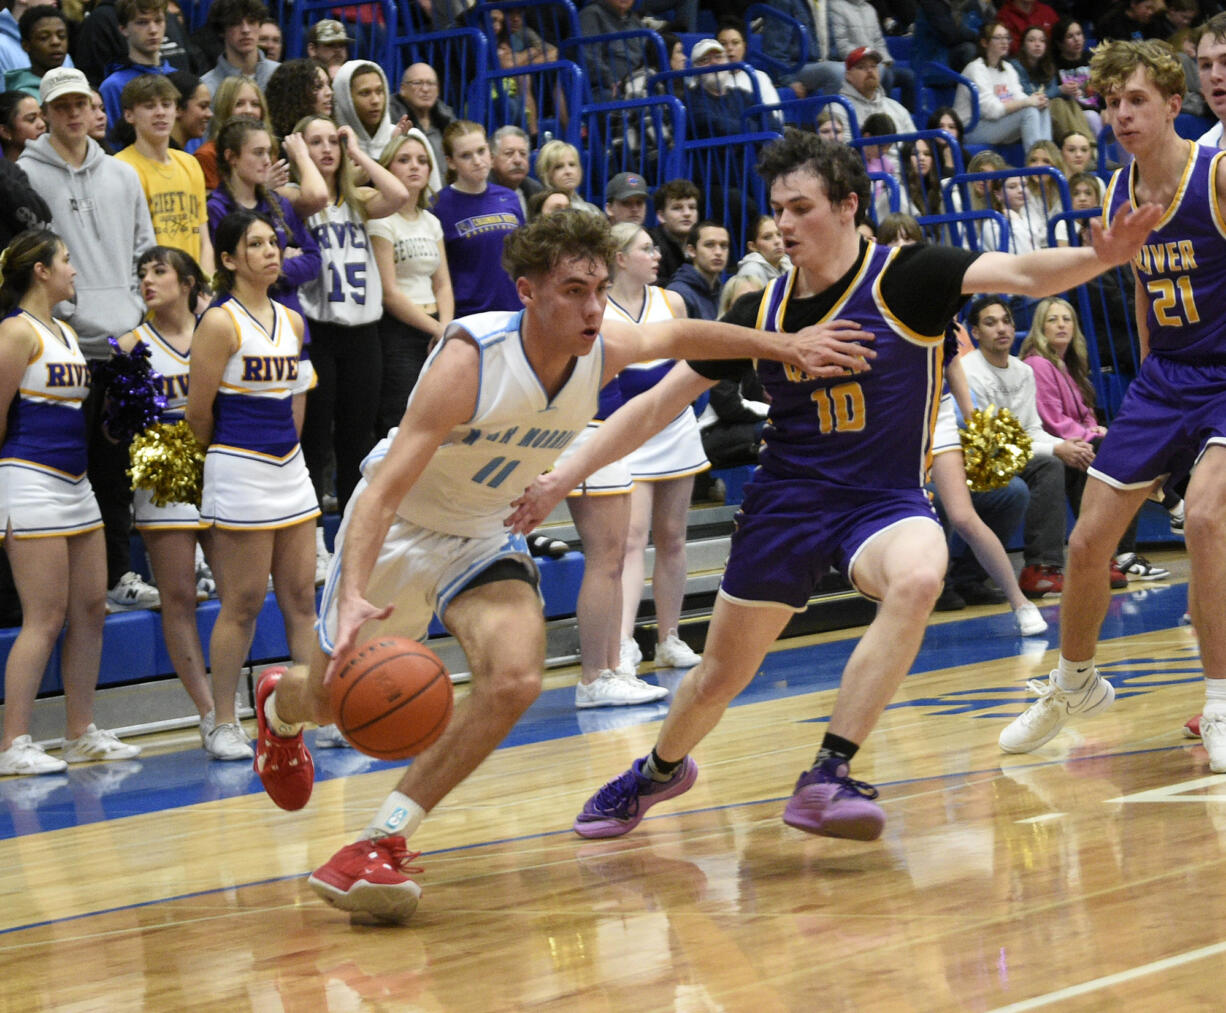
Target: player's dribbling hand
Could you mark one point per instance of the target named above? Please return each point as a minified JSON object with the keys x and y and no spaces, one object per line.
{"x":536,"y":503}
{"x":1129,"y":230}
{"x":832,"y":348}
{"x":351,"y":615}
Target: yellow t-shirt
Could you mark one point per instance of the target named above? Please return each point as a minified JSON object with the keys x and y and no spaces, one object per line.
{"x":175,"y":193}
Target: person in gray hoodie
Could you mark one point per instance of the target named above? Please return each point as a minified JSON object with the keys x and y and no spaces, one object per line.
{"x":98,"y":208}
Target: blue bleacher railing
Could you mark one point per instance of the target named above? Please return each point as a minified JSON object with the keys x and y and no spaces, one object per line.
{"x":798,"y":112}
{"x":936,"y":77}
{"x":460,"y":58}
{"x":725,"y":170}
{"x":554,"y":90}
{"x":626,"y":137}
{"x":371,"y":22}
{"x":773,"y":33}
{"x":640,"y":47}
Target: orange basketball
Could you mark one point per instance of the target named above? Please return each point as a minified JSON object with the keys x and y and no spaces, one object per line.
{"x":391,"y":698}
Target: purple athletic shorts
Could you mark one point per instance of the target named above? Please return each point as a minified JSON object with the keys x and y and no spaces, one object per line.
{"x":1172,"y":411}
{"x":790,"y":531}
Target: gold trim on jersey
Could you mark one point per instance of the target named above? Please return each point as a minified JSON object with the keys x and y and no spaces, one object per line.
{"x":1215,"y":204}
{"x":247,"y":452}
{"x":156,"y":335}
{"x":887,"y":314}
{"x":1180,"y":190}
{"x":274,"y":336}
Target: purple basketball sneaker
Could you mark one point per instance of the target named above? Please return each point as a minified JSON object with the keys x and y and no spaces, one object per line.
{"x":619,"y":806}
{"x":829,"y":803}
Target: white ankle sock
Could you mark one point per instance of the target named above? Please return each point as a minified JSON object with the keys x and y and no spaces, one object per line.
{"x":285,"y":729}
{"x":1073,"y":675}
{"x":399,"y":814}
{"x":1215,"y":695}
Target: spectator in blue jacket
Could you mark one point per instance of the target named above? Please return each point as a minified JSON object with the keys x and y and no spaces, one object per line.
{"x":697,"y":281}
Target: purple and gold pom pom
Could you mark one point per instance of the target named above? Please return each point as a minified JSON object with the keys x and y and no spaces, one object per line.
{"x":167,"y":460}
{"x":132,"y":390}
{"x":995,"y":447}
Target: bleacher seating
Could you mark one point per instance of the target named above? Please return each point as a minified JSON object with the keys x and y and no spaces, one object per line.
{"x":371,"y":22}
{"x":626,"y":137}
{"x":460,"y":57}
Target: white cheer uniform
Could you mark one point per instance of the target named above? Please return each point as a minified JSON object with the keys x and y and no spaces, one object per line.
{"x":255,"y":477}
{"x":44,"y":490}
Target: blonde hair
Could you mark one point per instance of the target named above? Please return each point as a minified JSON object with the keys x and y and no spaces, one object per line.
{"x":344,"y":182}
{"x":550,"y":157}
{"x":1113,"y":63}
{"x":227,"y":97}
{"x":1046,"y":185}
{"x":984,"y":161}
{"x":389,"y":155}
{"x":1076,"y":356}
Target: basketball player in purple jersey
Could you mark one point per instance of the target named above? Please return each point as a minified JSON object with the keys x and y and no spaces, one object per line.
{"x":841,"y":476}
{"x":1173,"y":418}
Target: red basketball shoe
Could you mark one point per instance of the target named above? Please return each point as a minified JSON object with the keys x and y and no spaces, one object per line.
{"x":1191,"y":728}
{"x":284,"y":765}
{"x":370,"y":877}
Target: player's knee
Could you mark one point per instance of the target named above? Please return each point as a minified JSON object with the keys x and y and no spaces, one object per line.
{"x":921,"y":588}
{"x":713,"y":684}
{"x":1204,"y":521}
{"x":1087,"y":548}
{"x":515,"y":686}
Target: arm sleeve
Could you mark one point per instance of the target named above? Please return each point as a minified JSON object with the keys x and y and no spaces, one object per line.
{"x":743,"y":312}
{"x":1026,"y":410}
{"x":1049,"y":401}
{"x":990,"y":107}
{"x":923,"y":286}
{"x":307,"y":265}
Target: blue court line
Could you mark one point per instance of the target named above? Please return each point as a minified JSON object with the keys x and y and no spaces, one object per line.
{"x":95,"y":792}
{"x":543,"y":835}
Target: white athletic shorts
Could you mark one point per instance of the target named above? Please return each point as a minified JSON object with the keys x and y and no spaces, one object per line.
{"x":246,"y":491}
{"x":418,"y":571}
{"x":611,"y":480}
{"x":42,"y":504}
{"x":674,"y":452}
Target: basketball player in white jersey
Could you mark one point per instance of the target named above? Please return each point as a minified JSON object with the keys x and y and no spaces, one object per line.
{"x":499,"y":399}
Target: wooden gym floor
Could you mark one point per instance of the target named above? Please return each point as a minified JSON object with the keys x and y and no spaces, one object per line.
{"x":1089,"y":876}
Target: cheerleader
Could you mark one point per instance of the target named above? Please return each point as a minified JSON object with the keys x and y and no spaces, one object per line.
{"x":257,"y":495}
{"x":663,"y":468}
{"x":170,"y":283}
{"x":50,"y":525}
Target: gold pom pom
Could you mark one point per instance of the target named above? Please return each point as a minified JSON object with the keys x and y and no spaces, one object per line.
{"x":167,"y":460}
{"x":995,"y":447}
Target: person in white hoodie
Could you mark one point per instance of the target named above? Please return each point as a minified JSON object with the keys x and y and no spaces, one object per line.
{"x":359,"y":101}
{"x":99,"y":209}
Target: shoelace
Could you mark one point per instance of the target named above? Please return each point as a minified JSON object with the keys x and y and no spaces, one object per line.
{"x":861,"y":788}
{"x":620,"y":796}
{"x":398,"y":855}
{"x":282,"y":752}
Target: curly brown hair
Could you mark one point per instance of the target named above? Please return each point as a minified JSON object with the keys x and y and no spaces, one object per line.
{"x":839,"y":168}
{"x":537,"y":248}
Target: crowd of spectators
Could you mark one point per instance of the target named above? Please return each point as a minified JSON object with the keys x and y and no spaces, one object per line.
{"x":122,"y":131}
